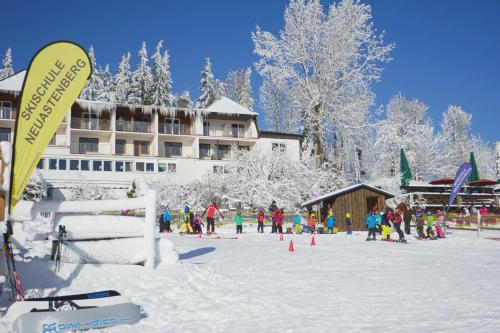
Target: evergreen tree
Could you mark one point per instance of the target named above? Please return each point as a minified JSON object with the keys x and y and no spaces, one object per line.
{"x":7,"y":69}
{"x":94,"y":85}
{"x":162,"y":81}
{"x":107,"y":93}
{"x":207,"y":87}
{"x":142,"y":80}
{"x":123,"y":80}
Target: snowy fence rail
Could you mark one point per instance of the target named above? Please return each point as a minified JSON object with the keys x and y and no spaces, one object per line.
{"x":26,"y":210}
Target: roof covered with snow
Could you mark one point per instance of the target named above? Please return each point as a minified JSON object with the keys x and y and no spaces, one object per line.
{"x":226,"y":106}
{"x":345,"y":190}
{"x":13,"y":82}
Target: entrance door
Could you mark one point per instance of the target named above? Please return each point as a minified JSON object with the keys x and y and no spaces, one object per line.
{"x":371,"y":204}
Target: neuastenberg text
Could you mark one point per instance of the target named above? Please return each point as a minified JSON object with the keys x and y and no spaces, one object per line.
{"x":50,"y":90}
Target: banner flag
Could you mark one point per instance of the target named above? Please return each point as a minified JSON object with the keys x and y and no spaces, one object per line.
{"x":55,"y":78}
{"x":462,"y":175}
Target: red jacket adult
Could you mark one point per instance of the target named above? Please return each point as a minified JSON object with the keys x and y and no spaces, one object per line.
{"x":211,"y":210}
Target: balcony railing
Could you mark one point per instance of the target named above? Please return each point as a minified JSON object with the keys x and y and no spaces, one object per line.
{"x":211,"y":154}
{"x":88,"y":147}
{"x":90,"y":124}
{"x":133,"y":126}
{"x":226,"y":132}
{"x":175,"y":129}
{"x":8,"y":113}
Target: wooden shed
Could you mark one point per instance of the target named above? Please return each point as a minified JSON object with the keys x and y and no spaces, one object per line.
{"x":358,"y":200}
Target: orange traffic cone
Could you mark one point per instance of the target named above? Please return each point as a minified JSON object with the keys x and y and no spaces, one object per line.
{"x":281,"y":237}
{"x":313,"y":242}
{"x":290,"y":247}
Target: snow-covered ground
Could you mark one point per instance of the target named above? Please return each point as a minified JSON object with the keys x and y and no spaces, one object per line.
{"x":343,"y":284}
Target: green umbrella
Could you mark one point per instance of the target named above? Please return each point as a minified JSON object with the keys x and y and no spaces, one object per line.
{"x":405,"y":169}
{"x":475,"y":174}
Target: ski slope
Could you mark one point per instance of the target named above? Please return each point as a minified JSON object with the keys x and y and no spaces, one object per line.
{"x":253,"y":284}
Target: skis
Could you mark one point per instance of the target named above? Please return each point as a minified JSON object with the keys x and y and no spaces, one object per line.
{"x":94,"y":295}
{"x":60,"y":242}
{"x":13,"y":278}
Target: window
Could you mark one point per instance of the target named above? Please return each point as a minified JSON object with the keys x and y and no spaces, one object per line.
{"x":88,"y":145}
{"x":119,"y":166}
{"x":139,"y":166}
{"x":275,"y":146}
{"x":74,"y":165}
{"x":172,"y":167}
{"x":162,"y":167}
{"x":150,"y":167}
{"x":172,"y":126}
{"x":107,"y":166}
{"x":244,"y":148}
{"x":237,"y":130}
{"x":4,"y":134}
{"x":85,"y":165}
{"x":120,"y":146}
{"x":206,"y":128}
{"x":204,"y":150}
{"x":142,"y":124}
{"x":172,"y":149}
{"x":90,"y":121}
{"x":40,"y":164}
{"x":223,"y":151}
{"x":218,"y":169}
{"x":62,"y":164}
{"x":97,"y":165}
{"x":6,"y":110}
{"x":128,"y":166}
{"x":52,"y":164}
{"x":141,"y":148}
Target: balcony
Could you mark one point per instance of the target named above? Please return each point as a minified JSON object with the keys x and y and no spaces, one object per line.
{"x":174,"y":129}
{"x":88,"y":147}
{"x":90,"y":124}
{"x":224,"y":132}
{"x":211,"y":154}
{"x":8,"y":113}
{"x":133,"y":126}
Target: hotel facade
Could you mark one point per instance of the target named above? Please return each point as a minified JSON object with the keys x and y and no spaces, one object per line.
{"x":111,"y":144}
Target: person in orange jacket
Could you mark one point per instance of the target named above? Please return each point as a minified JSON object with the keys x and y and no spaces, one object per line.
{"x":311,"y":224}
{"x":211,"y":210}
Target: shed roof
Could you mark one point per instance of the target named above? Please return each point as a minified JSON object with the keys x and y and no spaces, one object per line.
{"x":226,"y":106}
{"x":343,"y":191}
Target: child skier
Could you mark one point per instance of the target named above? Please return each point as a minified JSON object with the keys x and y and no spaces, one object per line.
{"x":297,"y":219}
{"x":371,"y":224}
{"x":165,"y":221}
{"x":261,"y":217}
{"x":311,"y":224}
{"x":330,"y":220}
{"x":278,"y":217}
{"x":238,"y":219}
{"x":187,"y":227}
{"x":420,"y":225}
{"x":197,"y":224}
{"x":439,"y":224}
{"x":386,"y":227}
{"x":430,"y":224}
{"x":348,"y":223}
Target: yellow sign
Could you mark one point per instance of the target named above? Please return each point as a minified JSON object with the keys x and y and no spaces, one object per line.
{"x":55,"y":78}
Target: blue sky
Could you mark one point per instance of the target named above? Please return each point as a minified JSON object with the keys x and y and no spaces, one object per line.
{"x":447,"y":52}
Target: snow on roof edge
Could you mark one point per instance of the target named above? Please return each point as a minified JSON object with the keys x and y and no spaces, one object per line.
{"x":341,"y":191}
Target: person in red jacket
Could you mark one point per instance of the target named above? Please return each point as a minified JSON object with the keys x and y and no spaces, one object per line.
{"x":211,"y":210}
{"x":261,"y":217}
{"x":278,"y":217}
{"x":397,"y":225}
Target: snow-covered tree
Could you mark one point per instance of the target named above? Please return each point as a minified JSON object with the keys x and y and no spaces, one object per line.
{"x":328,"y":61}
{"x":409,"y":127}
{"x":162,"y":81}
{"x":7,"y":69}
{"x":107,"y":94}
{"x":142,"y":80}
{"x":238,"y":87}
{"x":123,"y":80}
{"x":184,"y":100}
{"x":80,"y":192}
{"x":94,"y":85}
{"x":455,"y":140}
{"x":220,"y":89}
{"x":485,"y":156}
{"x":207,"y":87}
{"x":36,"y":188}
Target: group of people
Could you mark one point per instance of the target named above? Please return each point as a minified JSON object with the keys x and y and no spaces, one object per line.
{"x":193,"y":221}
{"x":382,"y":222}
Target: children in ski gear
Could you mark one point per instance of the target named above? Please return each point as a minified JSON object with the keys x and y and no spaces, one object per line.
{"x":197,"y":224}
{"x":260,"y":221}
{"x":397,"y":225}
{"x":330,"y":220}
{"x":439,"y":227}
{"x":165,"y":221}
{"x":297,"y":219}
{"x":211,"y":210}
{"x":420,"y":225}
{"x":371,"y":224}
{"x":348,"y":223}
{"x":407,"y":220}
{"x":430,"y":224}
{"x":238,"y":219}
{"x":278,"y":217}
{"x":186,"y":218}
{"x":385,"y":226}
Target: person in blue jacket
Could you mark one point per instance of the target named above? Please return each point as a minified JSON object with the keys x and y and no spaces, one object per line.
{"x":165,"y":221}
{"x":371,"y":224}
{"x":330,"y":220}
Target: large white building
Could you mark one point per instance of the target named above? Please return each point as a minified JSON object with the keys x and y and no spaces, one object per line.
{"x":110,"y":144}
